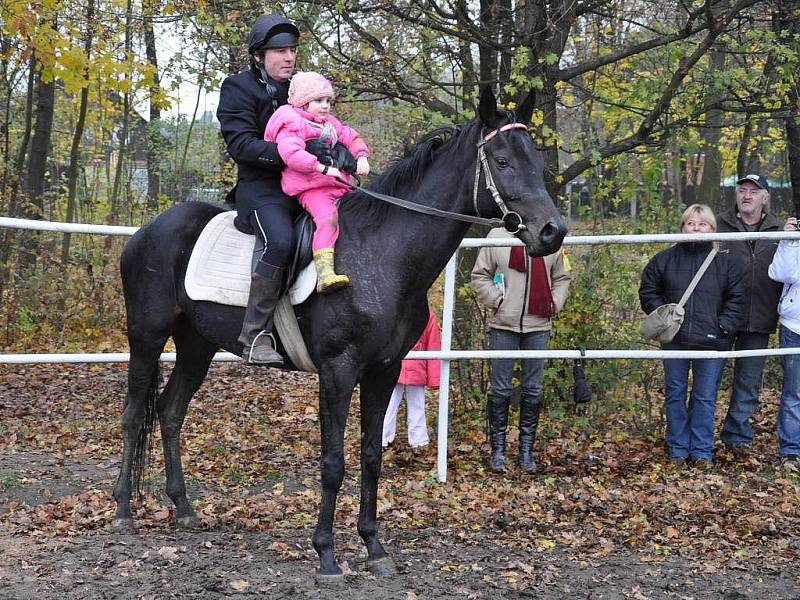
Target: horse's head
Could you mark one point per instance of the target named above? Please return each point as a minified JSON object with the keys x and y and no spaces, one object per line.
{"x":515,"y":170}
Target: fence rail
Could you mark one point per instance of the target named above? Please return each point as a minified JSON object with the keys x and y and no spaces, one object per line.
{"x":120,"y":357}
{"x":446,"y":354}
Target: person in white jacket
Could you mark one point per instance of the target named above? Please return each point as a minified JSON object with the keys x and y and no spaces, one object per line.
{"x":785,"y":268}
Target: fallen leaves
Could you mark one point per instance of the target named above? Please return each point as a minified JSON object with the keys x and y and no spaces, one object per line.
{"x":251,"y":461}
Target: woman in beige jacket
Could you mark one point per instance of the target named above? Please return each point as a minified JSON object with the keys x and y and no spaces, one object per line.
{"x":524,"y":293}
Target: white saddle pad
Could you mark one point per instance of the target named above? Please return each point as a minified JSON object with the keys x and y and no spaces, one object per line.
{"x":219,"y":268}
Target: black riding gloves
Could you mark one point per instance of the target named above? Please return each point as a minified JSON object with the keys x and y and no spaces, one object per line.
{"x":342,"y":159}
{"x":321,"y":150}
{"x":269,"y":156}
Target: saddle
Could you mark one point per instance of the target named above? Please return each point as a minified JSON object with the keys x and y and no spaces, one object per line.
{"x":220,"y":269}
{"x":223,"y":259}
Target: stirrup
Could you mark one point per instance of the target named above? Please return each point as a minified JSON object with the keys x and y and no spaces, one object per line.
{"x":272,"y":359}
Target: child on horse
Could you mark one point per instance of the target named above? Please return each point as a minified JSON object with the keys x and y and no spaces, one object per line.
{"x":318,"y":187}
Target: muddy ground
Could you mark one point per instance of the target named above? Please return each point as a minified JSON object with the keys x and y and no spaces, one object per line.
{"x":55,"y":541}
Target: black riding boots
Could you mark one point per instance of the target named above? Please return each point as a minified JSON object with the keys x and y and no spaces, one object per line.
{"x":497,"y":409}
{"x":256,"y":336}
{"x":528,"y":423}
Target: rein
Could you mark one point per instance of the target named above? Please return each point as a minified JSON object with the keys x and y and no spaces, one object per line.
{"x":481,"y":164}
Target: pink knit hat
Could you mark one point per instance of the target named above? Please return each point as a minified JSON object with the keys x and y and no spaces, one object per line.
{"x":307,"y":86}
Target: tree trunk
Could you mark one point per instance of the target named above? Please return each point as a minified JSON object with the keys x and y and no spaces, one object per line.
{"x":505,"y":39}
{"x":709,"y":175}
{"x":13,"y":180}
{"x":744,"y":148}
{"x":77,"y":135}
{"x":155,"y":142}
{"x":793,"y":151}
{"x":200,"y":85}
{"x":8,"y":75}
{"x":789,"y":21}
{"x":123,"y":134}
{"x":546,"y":102}
{"x":36,"y":173}
{"x":487,"y":68}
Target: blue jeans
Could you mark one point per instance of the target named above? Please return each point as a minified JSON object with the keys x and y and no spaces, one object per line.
{"x":736,"y":431}
{"x":503,"y":369}
{"x":690,"y":429}
{"x":789,"y":412}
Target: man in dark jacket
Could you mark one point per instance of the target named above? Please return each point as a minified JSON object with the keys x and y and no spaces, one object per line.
{"x":761,"y":307}
{"x":247,"y":100}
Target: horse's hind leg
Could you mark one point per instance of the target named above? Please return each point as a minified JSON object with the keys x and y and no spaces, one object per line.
{"x":376,"y":388}
{"x":137,"y":419}
{"x":194,"y":355}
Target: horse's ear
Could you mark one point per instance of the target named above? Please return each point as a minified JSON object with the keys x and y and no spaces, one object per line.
{"x":525,"y":110}
{"x":487,"y":109}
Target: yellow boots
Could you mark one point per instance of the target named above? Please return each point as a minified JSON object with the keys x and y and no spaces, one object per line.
{"x":327,"y":280}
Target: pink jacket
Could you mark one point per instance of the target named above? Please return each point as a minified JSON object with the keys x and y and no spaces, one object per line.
{"x":291,"y":127}
{"x":424,"y":372}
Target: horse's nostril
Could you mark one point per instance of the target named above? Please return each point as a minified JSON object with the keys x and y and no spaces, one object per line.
{"x":549,"y":232}
{"x":552,"y":232}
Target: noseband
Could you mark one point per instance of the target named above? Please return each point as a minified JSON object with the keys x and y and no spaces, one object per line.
{"x":512,"y":220}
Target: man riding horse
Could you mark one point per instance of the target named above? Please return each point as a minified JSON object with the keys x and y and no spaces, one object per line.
{"x":247,"y":100}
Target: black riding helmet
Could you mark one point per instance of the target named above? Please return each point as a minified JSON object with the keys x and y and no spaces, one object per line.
{"x":272,"y":31}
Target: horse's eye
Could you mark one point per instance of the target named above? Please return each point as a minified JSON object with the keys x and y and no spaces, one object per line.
{"x":502,"y":162}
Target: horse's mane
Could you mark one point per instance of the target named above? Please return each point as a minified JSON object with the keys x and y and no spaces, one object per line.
{"x":403,"y":173}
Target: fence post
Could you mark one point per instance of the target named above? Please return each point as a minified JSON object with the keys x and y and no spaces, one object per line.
{"x":444,"y":379}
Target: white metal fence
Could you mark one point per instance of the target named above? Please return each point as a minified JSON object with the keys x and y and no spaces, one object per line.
{"x":446,"y":355}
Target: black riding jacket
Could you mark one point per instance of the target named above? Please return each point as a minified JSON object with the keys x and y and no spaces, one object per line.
{"x":715,"y":308}
{"x":754,"y":257}
{"x":246,"y":103}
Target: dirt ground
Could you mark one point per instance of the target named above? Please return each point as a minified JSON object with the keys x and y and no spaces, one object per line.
{"x":55,"y":541}
{"x":218,"y":564}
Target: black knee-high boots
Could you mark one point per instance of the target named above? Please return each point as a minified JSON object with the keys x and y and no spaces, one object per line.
{"x":256,"y":336}
{"x":497,"y":409}
{"x":528,"y":423}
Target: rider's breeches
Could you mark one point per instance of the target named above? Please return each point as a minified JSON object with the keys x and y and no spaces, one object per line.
{"x":320,"y":203}
{"x":273,"y":225}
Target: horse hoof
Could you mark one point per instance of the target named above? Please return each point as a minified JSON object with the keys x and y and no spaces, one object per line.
{"x":190,"y":522}
{"x":124,"y":525}
{"x":382,"y":567}
{"x":329,"y":580}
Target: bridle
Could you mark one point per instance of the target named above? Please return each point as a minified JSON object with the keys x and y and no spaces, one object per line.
{"x":511,"y":220}
{"x":482,"y":164}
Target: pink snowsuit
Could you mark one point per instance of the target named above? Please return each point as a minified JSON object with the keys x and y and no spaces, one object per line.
{"x":291,"y":127}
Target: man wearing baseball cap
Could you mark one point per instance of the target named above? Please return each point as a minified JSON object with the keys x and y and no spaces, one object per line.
{"x":761,"y":305}
{"x":247,"y":100}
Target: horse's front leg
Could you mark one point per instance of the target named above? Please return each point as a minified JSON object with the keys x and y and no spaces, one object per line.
{"x":336,"y":383}
{"x":376,"y":388}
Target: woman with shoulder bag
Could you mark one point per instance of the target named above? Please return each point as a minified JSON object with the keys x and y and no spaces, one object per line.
{"x":711,"y":315}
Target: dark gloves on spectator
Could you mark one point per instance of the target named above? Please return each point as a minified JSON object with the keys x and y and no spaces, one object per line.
{"x":342,"y":159}
{"x":321,"y":150}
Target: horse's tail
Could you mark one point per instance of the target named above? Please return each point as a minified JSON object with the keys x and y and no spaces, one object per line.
{"x":142,"y":449}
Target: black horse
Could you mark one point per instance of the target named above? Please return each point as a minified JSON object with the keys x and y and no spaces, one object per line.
{"x":356,"y":336}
